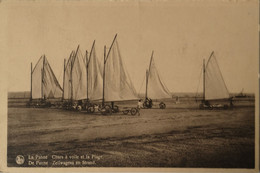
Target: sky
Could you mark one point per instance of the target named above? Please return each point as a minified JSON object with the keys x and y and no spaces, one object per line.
{"x":181,"y":34}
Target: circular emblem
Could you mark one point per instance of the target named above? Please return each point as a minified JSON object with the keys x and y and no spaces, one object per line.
{"x":19,"y":159}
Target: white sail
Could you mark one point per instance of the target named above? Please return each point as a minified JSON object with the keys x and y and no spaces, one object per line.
{"x":118,"y":85}
{"x":37,"y":80}
{"x":75,"y":82}
{"x":95,"y":80}
{"x":44,"y":82}
{"x":79,"y":78}
{"x":215,"y":87}
{"x":156,"y":89}
{"x":67,"y":78}
{"x":51,"y":86}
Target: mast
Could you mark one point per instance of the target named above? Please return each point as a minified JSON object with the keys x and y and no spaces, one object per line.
{"x":111,"y":47}
{"x":42,"y":76}
{"x":146,"y":86}
{"x":70,"y":80}
{"x":204,"y":80}
{"x":87,"y":62}
{"x":150,"y":61}
{"x":31,"y":83}
{"x":77,"y":51}
{"x":103,"y":98}
{"x":105,"y":60}
{"x":71,"y":89}
{"x":64,"y":70}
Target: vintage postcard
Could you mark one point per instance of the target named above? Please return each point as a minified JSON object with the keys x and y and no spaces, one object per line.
{"x":144,"y":85}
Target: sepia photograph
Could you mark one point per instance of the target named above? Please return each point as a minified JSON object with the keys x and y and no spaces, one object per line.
{"x":145,"y":84}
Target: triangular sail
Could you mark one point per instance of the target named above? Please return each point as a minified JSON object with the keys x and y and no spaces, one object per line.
{"x":37,"y":80}
{"x":118,"y":85}
{"x":95,"y":80}
{"x":79,"y":79}
{"x":75,"y":83}
{"x":215,"y":87}
{"x":156,"y":89}
{"x":51,"y":86}
{"x":44,"y":82}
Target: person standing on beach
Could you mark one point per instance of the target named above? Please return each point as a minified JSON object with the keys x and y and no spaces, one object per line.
{"x":139,"y":105}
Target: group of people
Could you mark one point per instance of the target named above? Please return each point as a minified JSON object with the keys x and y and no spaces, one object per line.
{"x":84,"y":105}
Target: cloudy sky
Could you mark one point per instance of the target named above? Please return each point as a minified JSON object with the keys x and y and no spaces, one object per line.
{"x":181,"y":33}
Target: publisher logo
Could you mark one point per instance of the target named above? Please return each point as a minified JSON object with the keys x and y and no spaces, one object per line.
{"x":19,"y":159}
